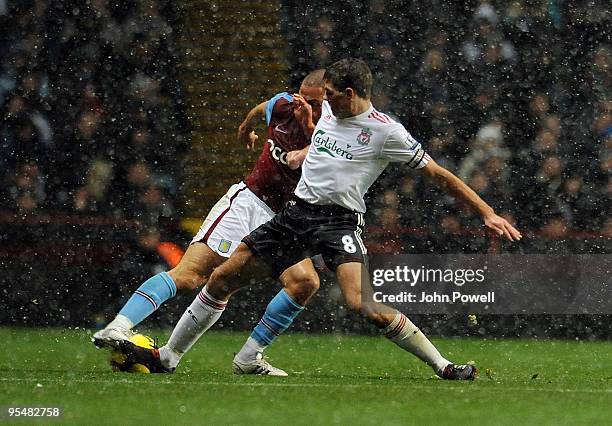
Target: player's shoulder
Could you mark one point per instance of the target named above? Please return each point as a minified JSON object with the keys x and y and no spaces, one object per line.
{"x":379,"y":118}
{"x":385,"y":124}
{"x":279,"y":106}
{"x":280,"y":98}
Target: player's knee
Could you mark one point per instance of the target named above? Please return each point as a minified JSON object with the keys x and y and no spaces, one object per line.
{"x":309,"y":283}
{"x":303,"y":287}
{"x":217,"y":285}
{"x":186,"y":279}
{"x":223,"y":282}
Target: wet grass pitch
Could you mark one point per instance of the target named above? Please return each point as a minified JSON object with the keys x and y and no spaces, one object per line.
{"x":334,"y":379}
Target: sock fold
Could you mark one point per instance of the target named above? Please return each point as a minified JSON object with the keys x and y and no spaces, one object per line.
{"x":407,"y":336}
{"x":209,"y":301}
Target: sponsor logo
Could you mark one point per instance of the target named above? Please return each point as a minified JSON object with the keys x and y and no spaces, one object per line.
{"x":277,"y":152}
{"x":224,"y":246}
{"x":193,"y":317}
{"x":325,"y":145}
{"x":278,"y":129}
{"x":363,"y":138}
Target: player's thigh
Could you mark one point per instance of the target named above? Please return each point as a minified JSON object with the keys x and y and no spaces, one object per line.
{"x":240,"y":270}
{"x":195,"y":266}
{"x":301,"y":281}
{"x":276,"y":243}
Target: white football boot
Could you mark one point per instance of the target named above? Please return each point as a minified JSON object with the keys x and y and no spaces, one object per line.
{"x":111,"y":337}
{"x":257,"y":366}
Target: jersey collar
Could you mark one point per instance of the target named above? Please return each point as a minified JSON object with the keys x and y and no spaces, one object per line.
{"x":363,"y":115}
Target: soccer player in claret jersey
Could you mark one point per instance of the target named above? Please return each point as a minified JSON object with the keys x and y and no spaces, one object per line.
{"x":351,"y":146}
{"x":243,"y":208}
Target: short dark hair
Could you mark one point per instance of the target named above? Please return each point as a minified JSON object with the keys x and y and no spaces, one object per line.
{"x":353,"y":73}
{"x":314,"y":79}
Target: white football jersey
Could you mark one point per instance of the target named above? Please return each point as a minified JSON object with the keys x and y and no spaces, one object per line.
{"x":347,"y":155}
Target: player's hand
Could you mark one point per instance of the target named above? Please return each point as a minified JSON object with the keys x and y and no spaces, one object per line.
{"x":248,"y":139}
{"x":502,"y":227}
{"x":296,"y":158}
{"x":302,"y":112}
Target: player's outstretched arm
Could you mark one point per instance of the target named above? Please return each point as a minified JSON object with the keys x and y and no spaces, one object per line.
{"x":246,"y":130}
{"x":459,"y":189}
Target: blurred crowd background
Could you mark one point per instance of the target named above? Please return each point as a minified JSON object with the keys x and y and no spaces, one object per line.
{"x":92,"y":121}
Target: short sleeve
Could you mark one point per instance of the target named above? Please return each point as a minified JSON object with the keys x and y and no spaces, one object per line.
{"x":401,"y":147}
{"x":272,"y":102}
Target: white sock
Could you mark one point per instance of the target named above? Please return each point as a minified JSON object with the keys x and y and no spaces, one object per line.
{"x":203,"y":312}
{"x":250,"y":350}
{"x":407,"y":336}
{"x":168,"y":357}
{"x":121,"y":322}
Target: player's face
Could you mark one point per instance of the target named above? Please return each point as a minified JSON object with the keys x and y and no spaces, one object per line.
{"x":314,"y":96}
{"x":339,"y":102}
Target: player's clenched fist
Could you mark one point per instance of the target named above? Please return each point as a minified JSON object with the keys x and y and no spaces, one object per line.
{"x":303,"y":113}
{"x":296,"y":158}
{"x":249,"y":139}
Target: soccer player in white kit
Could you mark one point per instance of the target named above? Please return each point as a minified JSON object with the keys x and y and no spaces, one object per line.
{"x":350,"y":147}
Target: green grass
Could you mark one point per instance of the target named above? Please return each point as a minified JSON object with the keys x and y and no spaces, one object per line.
{"x":334,"y":380}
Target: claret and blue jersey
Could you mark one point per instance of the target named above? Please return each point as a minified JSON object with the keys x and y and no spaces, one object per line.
{"x":271,"y":179}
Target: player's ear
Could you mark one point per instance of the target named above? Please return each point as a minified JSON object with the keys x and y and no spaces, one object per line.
{"x":349,"y":92}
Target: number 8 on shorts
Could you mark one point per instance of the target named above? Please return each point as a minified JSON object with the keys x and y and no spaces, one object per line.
{"x":349,"y":244}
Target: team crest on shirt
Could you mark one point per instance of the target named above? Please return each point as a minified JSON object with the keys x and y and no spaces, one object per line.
{"x":224,"y":246}
{"x":364,"y":137}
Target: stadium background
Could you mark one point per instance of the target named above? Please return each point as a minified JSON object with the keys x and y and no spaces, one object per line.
{"x":118,"y":123}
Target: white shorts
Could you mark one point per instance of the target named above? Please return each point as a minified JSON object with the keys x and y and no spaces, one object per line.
{"x":234,"y":216}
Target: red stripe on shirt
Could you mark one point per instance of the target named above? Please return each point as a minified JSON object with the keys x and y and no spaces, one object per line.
{"x":380,"y":117}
